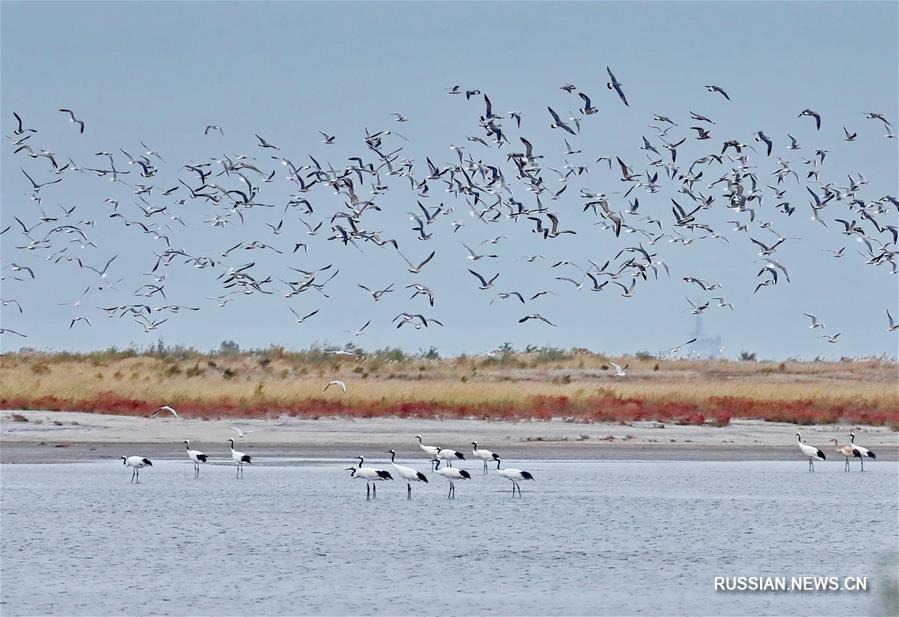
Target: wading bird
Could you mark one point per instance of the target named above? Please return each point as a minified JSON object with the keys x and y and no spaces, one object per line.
{"x":451,"y":474}
{"x":513,"y":475}
{"x":370,"y":475}
{"x":407,"y":473}
{"x":863,"y":452}
{"x":196,"y":456}
{"x":484,"y":455}
{"x":240,"y":459}
{"x":136,"y":463}
{"x":813,"y":453}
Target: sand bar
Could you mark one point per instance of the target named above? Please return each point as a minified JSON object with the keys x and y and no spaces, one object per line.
{"x":52,"y":436}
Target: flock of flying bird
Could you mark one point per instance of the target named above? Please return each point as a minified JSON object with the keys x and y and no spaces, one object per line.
{"x":371,"y":475}
{"x":501,"y":178}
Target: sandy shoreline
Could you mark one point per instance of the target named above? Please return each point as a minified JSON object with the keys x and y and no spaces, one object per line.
{"x":68,"y":436}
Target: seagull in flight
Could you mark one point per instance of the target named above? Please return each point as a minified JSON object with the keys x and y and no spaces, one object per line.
{"x":166,"y":409}
{"x":485,"y":284}
{"x":619,"y":370}
{"x":335,"y":382}
{"x":557,"y":122}
{"x":305,"y":317}
{"x":613,"y":83}
{"x":360,"y":330}
{"x":713,"y":88}
{"x":815,"y":322}
{"x":893,"y":325}
{"x":537,"y":316}
{"x":413,"y":269}
{"x":240,"y":433}
{"x":73,"y":119}
{"x":813,"y":114}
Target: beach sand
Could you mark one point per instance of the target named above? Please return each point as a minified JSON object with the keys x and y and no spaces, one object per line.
{"x":52,"y":436}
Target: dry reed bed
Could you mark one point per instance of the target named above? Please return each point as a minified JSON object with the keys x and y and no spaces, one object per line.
{"x":518,"y":386}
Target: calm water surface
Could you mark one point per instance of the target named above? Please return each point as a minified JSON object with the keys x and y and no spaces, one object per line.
{"x":299,"y":538}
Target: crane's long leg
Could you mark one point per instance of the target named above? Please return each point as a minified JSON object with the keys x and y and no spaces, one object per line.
{"x":408,"y":490}
{"x":846,"y":466}
{"x":137,"y":472}
{"x":450,"y":492}
{"x":485,"y":467}
{"x":133,"y":471}
{"x":374,"y":491}
{"x":862,"y":461}
{"x":367,"y":491}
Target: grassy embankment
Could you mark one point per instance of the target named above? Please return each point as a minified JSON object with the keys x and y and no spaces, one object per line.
{"x":538,"y":385}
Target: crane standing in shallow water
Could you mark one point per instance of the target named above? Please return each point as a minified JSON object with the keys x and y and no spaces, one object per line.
{"x":451,"y":474}
{"x":239,"y":459}
{"x":513,"y":475}
{"x":407,"y":473}
{"x":196,"y":456}
{"x":136,"y":463}
{"x":370,"y":475}
{"x":863,"y":452}
{"x":813,"y":453}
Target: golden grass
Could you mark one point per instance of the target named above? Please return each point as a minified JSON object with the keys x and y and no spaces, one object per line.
{"x":251,"y":383}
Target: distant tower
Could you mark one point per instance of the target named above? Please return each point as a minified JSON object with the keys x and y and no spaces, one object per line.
{"x":705,"y":346}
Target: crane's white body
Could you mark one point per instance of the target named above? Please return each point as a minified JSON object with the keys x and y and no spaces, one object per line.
{"x":813,"y":453}
{"x":136,"y":463}
{"x":445,"y":454}
{"x":514,"y":476}
{"x":451,"y":474}
{"x":431,"y":451}
{"x":370,"y":475}
{"x":863,"y":452}
{"x":240,"y":459}
{"x":484,"y":455}
{"x":407,"y":473}
{"x":196,"y":456}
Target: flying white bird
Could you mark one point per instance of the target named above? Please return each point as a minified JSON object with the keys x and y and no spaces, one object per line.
{"x":166,"y":409}
{"x":336,"y":382}
{"x":619,"y":370}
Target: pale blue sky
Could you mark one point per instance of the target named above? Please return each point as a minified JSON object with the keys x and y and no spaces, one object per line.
{"x":160,"y":72}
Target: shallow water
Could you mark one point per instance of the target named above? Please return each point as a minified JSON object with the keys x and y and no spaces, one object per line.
{"x":299,"y":538}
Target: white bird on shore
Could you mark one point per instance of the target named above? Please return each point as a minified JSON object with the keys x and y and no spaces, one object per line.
{"x":196,"y":456}
{"x":166,"y":409}
{"x":370,"y":475}
{"x":619,"y":370}
{"x":431,"y":451}
{"x":451,"y":474}
{"x":515,"y":476}
{"x":484,"y":455}
{"x":445,"y":454}
{"x":239,"y":459}
{"x":813,"y":453}
{"x":863,"y":452}
{"x":407,"y":473}
{"x":136,"y":463}
{"x":335,"y":382}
